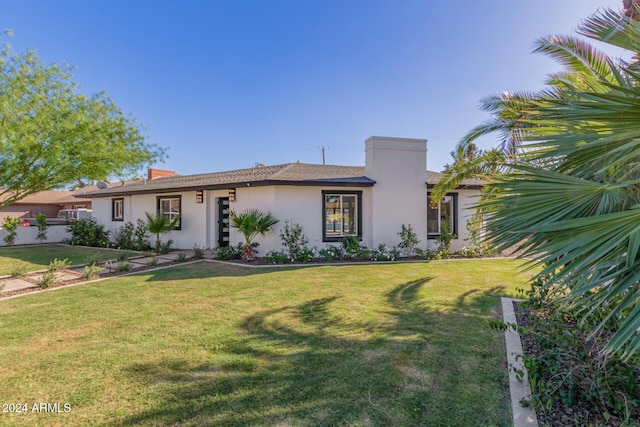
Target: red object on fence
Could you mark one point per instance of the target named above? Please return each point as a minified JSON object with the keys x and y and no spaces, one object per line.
{"x":25,"y":223}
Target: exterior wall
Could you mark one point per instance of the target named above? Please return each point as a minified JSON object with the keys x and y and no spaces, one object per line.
{"x":398,"y":165}
{"x":466,"y":200}
{"x":194,"y":218}
{"x":29,"y":235}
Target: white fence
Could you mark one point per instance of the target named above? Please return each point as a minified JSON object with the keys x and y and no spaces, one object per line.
{"x":29,"y":235}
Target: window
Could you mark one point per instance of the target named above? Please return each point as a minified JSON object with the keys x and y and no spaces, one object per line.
{"x":443,"y":213}
{"x":342,"y":214}
{"x":170,"y":206}
{"x":117,"y":209}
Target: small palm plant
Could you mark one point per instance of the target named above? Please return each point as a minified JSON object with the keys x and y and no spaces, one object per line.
{"x":158,"y":224}
{"x":251,"y":223}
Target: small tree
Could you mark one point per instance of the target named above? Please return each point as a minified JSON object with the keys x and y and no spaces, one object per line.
{"x":251,"y":223}
{"x":409,"y":239}
{"x":41,"y":220}
{"x":293,"y":239}
{"x":159,"y":224}
{"x":10,"y":225}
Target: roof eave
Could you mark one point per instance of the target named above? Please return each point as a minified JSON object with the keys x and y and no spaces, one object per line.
{"x":263,"y":183}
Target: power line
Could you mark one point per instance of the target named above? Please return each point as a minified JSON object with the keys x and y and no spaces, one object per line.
{"x":322,"y":147}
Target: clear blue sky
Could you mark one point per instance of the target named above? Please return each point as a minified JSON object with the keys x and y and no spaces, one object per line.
{"x":226,"y":84}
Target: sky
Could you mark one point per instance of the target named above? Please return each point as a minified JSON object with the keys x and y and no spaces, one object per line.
{"x":227,"y":84}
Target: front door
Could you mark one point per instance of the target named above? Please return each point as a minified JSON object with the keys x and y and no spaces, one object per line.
{"x":223,"y":221}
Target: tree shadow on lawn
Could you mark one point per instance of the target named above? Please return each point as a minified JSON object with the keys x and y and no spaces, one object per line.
{"x":330,"y":370}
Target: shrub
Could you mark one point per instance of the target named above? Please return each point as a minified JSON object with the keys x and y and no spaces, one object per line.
{"x":152,"y":262}
{"x":124,"y":266}
{"x":570,"y":364}
{"x":331,"y":253}
{"x":91,"y":259}
{"x":48,"y":279}
{"x":350,"y":245}
{"x":233,"y":252}
{"x":408,"y":240}
{"x":41,"y":221}
{"x":277,"y":257}
{"x":19,"y":270}
{"x":164,"y":248}
{"x":444,"y":239}
{"x":57,"y":264}
{"x":123,"y":256}
{"x":91,"y":271}
{"x":198,"y":252}
{"x":182,"y":257}
{"x":383,"y":253}
{"x":87,"y":232}
{"x":10,"y":225}
{"x":306,"y":255}
{"x":229,"y":252}
{"x":123,"y":237}
{"x":141,"y":238}
{"x":293,"y":239}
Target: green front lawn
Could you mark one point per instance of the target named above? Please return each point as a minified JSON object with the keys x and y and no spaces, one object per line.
{"x":211,"y":344}
{"x":39,"y":257}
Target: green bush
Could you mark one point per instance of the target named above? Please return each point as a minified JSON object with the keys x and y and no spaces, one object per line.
{"x":331,"y":253}
{"x":41,"y":221}
{"x":10,"y":225}
{"x":293,"y":239}
{"x":57,"y":264}
{"x":571,"y":366}
{"x":91,"y":271}
{"x":232,"y":252}
{"x":182,"y":257}
{"x":444,"y":239}
{"x":165,"y":248}
{"x":384,"y":253}
{"x":408,"y":240}
{"x":123,"y":256}
{"x":132,"y":237}
{"x":19,"y":270}
{"x":198,"y":252}
{"x":152,"y":262}
{"x":87,"y":232}
{"x":277,"y":257}
{"x":124,"y":266}
{"x":48,"y":279}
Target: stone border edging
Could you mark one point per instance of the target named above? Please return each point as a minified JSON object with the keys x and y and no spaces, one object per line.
{"x":519,"y":389}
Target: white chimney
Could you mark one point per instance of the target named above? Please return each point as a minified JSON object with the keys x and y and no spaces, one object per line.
{"x":399,"y":167}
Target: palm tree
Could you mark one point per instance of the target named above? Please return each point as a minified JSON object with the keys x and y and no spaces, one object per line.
{"x":586,"y":69}
{"x":251,"y":223}
{"x":570,"y":198}
{"x":159,"y":224}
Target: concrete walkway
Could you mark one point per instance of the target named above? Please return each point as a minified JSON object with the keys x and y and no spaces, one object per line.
{"x":75,"y":272}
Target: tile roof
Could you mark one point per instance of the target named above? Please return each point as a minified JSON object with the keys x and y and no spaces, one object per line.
{"x":285,"y":174}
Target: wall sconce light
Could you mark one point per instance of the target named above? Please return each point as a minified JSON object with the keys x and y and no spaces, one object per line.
{"x":199,"y":196}
{"x":232,"y":194}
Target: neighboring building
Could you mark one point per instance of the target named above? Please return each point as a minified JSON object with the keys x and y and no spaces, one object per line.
{"x":329,"y":202}
{"x":48,"y":203}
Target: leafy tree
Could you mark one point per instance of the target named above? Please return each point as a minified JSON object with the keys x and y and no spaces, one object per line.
{"x":570,"y":198}
{"x":51,"y":135}
{"x":159,"y":224}
{"x":251,"y":223}
{"x":10,"y":225}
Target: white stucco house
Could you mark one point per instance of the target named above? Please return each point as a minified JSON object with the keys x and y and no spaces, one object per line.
{"x":329,"y":202}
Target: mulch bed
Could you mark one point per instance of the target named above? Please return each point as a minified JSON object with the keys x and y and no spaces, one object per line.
{"x":580,"y":413}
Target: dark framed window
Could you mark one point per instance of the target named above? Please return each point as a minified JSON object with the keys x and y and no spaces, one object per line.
{"x":170,"y":206}
{"x":442,"y":213}
{"x":341,"y":214}
{"x":117,"y":209}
